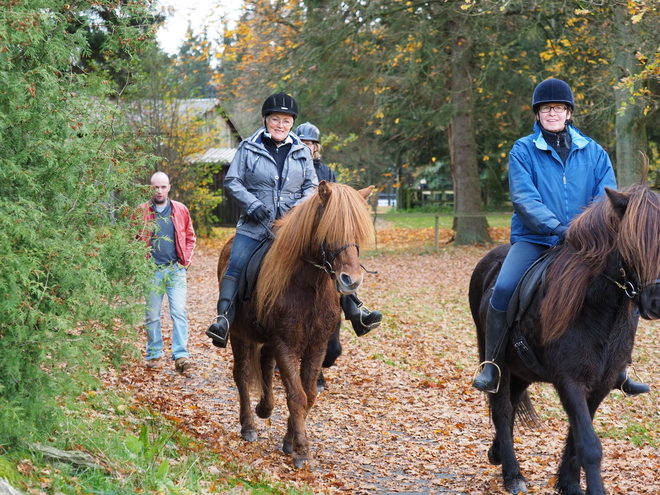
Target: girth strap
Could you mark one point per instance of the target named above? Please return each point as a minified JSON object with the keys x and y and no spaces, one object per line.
{"x":527,"y":356}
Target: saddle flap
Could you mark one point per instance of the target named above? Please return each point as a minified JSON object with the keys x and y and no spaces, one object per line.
{"x":530,"y":283}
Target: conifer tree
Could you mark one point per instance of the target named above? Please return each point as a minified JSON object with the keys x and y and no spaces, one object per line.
{"x":71,"y":265}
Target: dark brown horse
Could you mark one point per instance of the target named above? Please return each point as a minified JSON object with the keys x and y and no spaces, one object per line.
{"x":295,"y":308}
{"x":581,"y":327}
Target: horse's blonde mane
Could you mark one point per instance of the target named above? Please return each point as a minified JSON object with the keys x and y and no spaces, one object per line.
{"x":343,"y":219}
{"x":592,"y":237}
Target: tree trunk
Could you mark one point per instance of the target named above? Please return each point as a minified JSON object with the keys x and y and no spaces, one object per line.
{"x":463,"y":146}
{"x":631,"y":140}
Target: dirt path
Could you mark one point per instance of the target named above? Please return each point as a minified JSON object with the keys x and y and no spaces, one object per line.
{"x":399,"y":415}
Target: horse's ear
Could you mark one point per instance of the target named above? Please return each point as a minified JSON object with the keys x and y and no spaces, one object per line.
{"x":618,"y":200}
{"x":324,"y":191}
{"x":366,"y":192}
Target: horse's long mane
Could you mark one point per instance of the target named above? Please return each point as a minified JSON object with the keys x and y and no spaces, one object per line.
{"x":632,"y":228}
{"x":344,"y":219}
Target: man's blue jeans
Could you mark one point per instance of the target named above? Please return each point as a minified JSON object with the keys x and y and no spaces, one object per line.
{"x":170,"y":280}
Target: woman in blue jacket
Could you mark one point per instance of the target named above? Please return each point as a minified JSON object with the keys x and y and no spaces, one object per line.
{"x":554,"y":173}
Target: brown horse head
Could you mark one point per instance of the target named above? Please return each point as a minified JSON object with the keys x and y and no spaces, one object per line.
{"x":327,"y":231}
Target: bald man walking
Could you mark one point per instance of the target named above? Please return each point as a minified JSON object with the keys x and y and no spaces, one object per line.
{"x":169,"y":232}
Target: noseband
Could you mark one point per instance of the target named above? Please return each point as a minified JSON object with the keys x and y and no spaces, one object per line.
{"x":328,"y":258}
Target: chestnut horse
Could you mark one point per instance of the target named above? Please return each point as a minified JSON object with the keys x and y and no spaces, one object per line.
{"x":580,"y":325}
{"x":288,"y":321}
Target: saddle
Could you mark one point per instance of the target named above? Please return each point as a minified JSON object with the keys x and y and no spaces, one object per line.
{"x":531,"y":282}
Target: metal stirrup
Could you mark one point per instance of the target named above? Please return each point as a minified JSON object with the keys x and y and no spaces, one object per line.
{"x":480,"y":368}
{"x":371,"y":326}
{"x":217,"y":319}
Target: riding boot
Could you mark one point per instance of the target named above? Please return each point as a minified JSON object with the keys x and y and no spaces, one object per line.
{"x":624,"y":382}
{"x":219,"y":328}
{"x":362,"y":319}
{"x":629,"y":386}
{"x":496,"y":327}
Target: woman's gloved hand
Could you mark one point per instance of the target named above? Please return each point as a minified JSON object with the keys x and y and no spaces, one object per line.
{"x":261,"y":214}
{"x":560,"y":232}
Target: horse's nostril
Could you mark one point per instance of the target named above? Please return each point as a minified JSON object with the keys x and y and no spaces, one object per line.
{"x":346,"y":279}
{"x":655,"y":306}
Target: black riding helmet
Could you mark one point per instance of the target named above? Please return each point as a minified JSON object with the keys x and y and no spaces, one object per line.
{"x":552,"y":91}
{"x":280,"y":103}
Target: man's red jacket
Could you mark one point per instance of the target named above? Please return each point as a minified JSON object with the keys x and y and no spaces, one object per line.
{"x":185,"y":233}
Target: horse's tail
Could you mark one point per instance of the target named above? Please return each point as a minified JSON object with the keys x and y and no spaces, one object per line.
{"x":526,"y":412}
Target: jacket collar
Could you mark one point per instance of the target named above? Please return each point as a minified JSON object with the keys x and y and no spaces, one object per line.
{"x":256,"y":139}
{"x":578,"y":139}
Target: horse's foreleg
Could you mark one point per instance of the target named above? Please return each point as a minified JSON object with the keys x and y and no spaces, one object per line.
{"x":295,"y":440}
{"x":265,"y":407}
{"x":242,"y":373}
{"x":502,"y":451}
{"x":568,"y":475}
{"x":583,"y":447}
{"x":310,"y":368}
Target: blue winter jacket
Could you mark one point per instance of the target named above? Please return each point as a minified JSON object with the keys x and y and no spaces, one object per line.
{"x":253,"y":180}
{"x":545,"y":193}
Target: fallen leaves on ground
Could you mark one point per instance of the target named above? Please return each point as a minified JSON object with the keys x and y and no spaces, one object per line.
{"x":399,"y":414}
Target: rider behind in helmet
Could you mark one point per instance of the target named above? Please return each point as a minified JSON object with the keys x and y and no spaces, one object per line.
{"x":361,"y":318}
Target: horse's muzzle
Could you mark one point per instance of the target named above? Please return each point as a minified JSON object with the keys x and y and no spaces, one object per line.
{"x":346,"y":284}
{"x":649,"y":301}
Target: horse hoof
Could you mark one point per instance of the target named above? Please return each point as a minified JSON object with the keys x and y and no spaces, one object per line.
{"x":263,"y":412}
{"x":287,"y":447}
{"x":516,"y":486}
{"x":300,"y":463}
{"x":569,"y":489}
{"x":249,"y":435}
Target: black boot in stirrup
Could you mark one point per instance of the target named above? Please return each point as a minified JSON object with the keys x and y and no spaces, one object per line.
{"x":219,"y":328}
{"x":363,"y":320}
{"x":489,"y":378}
{"x":629,"y":386}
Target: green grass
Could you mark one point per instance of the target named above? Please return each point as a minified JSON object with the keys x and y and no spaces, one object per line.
{"x":629,"y":428}
{"x":138,"y":451}
{"x":427,"y":220}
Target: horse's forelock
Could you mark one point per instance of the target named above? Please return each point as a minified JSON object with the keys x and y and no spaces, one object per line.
{"x":345,"y":219}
